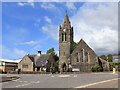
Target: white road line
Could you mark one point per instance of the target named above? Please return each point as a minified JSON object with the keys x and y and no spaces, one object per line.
{"x":52,"y":76}
{"x":75,"y":75}
{"x":3,"y":82}
{"x":97,"y":83}
{"x":63,"y":75}
{"x":23,"y":85}
{"x":16,"y":80}
{"x":28,"y":83}
{"x":25,"y":81}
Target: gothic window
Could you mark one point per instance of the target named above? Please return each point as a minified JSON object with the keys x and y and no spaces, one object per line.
{"x":82,"y":54}
{"x":62,"y":37}
{"x":77,"y":57}
{"x":64,"y":53}
{"x":87,"y":57}
{"x":65,"y":36}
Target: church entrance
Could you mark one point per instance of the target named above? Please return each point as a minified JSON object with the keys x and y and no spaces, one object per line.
{"x":64,"y":67}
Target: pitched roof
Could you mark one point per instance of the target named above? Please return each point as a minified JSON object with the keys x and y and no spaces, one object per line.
{"x":39,"y":60}
{"x":79,"y":43}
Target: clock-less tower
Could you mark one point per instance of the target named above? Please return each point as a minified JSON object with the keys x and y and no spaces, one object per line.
{"x":65,"y":41}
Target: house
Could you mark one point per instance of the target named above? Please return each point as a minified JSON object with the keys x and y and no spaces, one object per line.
{"x":37,"y":62}
{"x":116,"y":58}
{"x":79,"y":55}
{"x":7,"y":66}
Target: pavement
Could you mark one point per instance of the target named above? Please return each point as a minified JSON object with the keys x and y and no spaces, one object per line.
{"x":8,"y":77}
{"x":85,"y":80}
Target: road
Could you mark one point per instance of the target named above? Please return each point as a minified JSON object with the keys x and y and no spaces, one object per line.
{"x":106,"y":80}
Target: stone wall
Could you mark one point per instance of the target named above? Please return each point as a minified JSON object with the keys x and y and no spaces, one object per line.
{"x":26,"y":64}
{"x":76,"y":56}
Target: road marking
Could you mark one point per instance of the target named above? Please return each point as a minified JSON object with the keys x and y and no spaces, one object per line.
{"x":63,"y":75}
{"x":3,"y":82}
{"x":52,"y":76}
{"x":28,"y":83}
{"x":75,"y":75}
{"x":105,"y":73}
{"x":23,"y":85}
{"x":25,"y":81}
{"x":84,"y":86}
{"x":16,"y":80}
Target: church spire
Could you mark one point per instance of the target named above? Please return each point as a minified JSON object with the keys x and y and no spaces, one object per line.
{"x":66,"y":22}
{"x":66,"y":18}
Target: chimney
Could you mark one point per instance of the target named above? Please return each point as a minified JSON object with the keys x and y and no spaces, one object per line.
{"x":39,"y":53}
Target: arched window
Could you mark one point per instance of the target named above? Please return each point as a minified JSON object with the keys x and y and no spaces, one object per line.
{"x":87,"y":57}
{"x":77,"y":59}
{"x":82,"y":54}
{"x":62,"y":37}
{"x":65,"y":37}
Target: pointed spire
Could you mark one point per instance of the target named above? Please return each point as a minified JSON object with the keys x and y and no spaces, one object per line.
{"x":66,"y":18}
{"x":66,"y":22}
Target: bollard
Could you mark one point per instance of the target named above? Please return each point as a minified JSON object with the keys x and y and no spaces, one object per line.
{"x":114,"y":70}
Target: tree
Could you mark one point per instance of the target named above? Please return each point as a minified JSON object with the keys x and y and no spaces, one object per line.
{"x":51,"y":50}
{"x":103,"y":57}
{"x":109,"y":57}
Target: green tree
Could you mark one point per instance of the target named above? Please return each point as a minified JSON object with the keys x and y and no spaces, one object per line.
{"x":51,"y":50}
{"x":103,"y":57}
{"x":109,"y":57}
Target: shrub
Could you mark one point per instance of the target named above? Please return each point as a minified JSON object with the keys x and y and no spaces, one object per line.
{"x":113,"y":65}
{"x":96,"y":68}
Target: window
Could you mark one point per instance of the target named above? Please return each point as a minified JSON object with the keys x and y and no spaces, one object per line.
{"x":65,"y":36}
{"x":82,"y":54}
{"x":64,"y":53}
{"x":24,"y":66}
{"x":87,"y":57}
{"x":62,"y":37}
{"x":77,"y":57}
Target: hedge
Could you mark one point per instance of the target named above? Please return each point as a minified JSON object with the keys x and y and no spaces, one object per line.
{"x":96,"y":68}
{"x":113,"y":65}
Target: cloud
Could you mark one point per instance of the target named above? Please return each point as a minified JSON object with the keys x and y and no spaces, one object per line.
{"x":13,"y":53}
{"x":51,"y":30}
{"x":29,"y":43}
{"x":29,"y":2}
{"x":47,"y":5}
{"x":47,"y":19}
{"x":97,"y":24}
{"x":70,"y":6}
{"x":21,"y":4}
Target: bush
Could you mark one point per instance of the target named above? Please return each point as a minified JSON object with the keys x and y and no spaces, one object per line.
{"x":113,"y":65}
{"x":96,"y":68}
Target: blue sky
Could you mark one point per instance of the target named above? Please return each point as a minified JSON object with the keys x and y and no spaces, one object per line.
{"x":31,"y":26}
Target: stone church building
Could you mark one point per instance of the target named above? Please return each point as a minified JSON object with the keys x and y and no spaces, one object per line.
{"x":78,"y":55}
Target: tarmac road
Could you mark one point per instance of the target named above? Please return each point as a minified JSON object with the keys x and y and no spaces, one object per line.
{"x":86,"y":80}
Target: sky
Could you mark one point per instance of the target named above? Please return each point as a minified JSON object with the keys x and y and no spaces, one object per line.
{"x":31,"y":26}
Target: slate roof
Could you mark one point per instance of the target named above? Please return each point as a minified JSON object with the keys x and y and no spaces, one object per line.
{"x":81,"y":40}
{"x":39,"y":60}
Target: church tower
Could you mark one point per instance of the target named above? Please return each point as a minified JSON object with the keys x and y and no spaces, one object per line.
{"x":65,"y":40}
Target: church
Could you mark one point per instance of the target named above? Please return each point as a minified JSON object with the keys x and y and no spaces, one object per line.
{"x":78,"y":55}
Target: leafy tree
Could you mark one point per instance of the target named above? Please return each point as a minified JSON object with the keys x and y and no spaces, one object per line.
{"x":51,"y":50}
{"x":103,"y":57}
{"x":109,"y":57}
